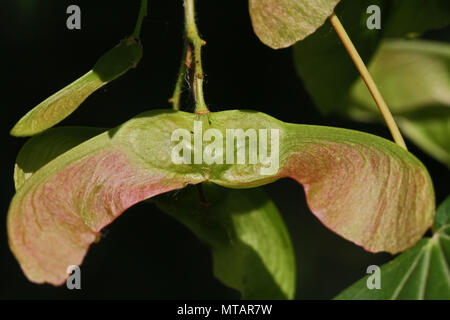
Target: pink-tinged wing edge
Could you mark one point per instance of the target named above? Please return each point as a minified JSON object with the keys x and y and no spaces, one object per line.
{"x":363,"y":195}
{"x":52,"y":223}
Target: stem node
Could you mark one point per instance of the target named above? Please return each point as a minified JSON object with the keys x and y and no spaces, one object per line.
{"x":192,"y":62}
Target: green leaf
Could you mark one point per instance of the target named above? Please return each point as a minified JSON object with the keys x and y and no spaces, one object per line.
{"x":400,"y":68}
{"x":322,"y":61}
{"x":251,"y":248}
{"x":430,"y":130}
{"x":442,"y":215}
{"x":414,"y":78}
{"x":419,"y":273}
{"x":111,"y":65}
{"x":281,"y":23}
{"x":363,"y":187}
{"x":413,"y":17}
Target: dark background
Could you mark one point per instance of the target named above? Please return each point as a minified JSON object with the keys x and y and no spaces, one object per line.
{"x":145,"y":253}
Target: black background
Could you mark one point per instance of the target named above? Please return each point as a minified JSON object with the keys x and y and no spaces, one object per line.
{"x":145,"y":253}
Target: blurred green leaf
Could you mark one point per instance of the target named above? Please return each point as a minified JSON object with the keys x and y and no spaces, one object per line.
{"x":281,"y":23}
{"x":111,"y":65}
{"x":322,"y":61}
{"x":414,"y":78}
{"x":251,"y":248}
{"x":413,"y":17}
{"x":419,"y":273}
{"x":411,"y":74}
{"x":442,"y":215}
{"x":430,"y":130}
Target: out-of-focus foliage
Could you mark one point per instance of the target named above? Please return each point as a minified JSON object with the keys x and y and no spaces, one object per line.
{"x":414,"y":76}
{"x":414,"y":79}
